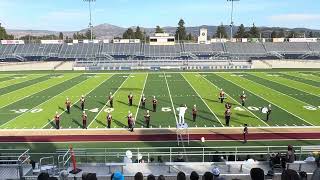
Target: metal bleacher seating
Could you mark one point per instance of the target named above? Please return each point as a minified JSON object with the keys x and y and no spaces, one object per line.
{"x":315,"y":47}
{"x":288,"y":47}
{"x":203,"y":49}
{"x":85,"y":50}
{"x":38,"y":50}
{"x":157,"y":51}
{"x":256,"y":49}
{"x":6,"y":51}
{"x":121,"y":49}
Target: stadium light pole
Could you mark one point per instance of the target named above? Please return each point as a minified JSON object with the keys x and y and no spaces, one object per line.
{"x":231,"y":23}
{"x":90,"y":22}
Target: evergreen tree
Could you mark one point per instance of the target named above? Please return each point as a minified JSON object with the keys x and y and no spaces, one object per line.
{"x":254,"y":32}
{"x":274,"y":34}
{"x":292,"y":34}
{"x":310,"y":35}
{"x":181,"y":33}
{"x":281,"y":34}
{"x":190,"y":37}
{"x":221,"y":32}
{"x":159,"y":30}
{"x":241,"y":33}
{"x":61,"y":36}
{"x":128,"y":34}
{"x":138,"y":34}
{"x":4,"y":35}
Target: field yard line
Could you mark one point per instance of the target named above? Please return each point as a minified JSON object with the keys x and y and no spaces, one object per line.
{"x":94,"y":119}
{"x":174,"y":110}
{"x":237,"y":102}
{"x":78,"y":99}
{"x":37,"y":105}
{"x":279,"y":91}
{"x":36,"y":92}
{"x":269,"y":102}
{"x":288,"y":85}
{"x":203,"y":100}
{"x":135,"y":117}
{"x":16,"y":81}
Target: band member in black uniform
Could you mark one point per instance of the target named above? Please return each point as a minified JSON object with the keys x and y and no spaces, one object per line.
{"x":147,"y":118}
{"x":68,"y":105}
{"x":222,"y":96}
{"x":82,"y":100}
{"x":111,"y":100}
{"x":130,"y":98}
{"x":57,"y":120}
{"x":227,"y":115}
{"x":154,"y":104}
{"x":84,"y":120}
{"x":245,"y":133}
{"x":130,"y":121}
{"x":194,"y":113}
{"x":109,"y":120}
{"x":243,"y":98}
{"x":143,"y":102}
{"x":269,"y":112}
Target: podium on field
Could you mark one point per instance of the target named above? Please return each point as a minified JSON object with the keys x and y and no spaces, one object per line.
{"x":183,"y":133}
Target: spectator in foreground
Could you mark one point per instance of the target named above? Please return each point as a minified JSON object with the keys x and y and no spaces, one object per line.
{"x":151,"y":177}
{"x":117,"y":176}
{"x":161,"y":177}
{"x":138,"y":176}
{"x":216,"y":174}
{"x":207,"y":176}
{"x":181,"y":176}
{"x":194,"y":176}
{"x":257,"y":174}
{"x":43,"y":176}
{"x":290,"y":157}
{"x":290,"y":174}
{"x":316,"y":173}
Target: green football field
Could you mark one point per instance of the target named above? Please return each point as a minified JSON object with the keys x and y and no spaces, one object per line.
{"x":30,"y":100}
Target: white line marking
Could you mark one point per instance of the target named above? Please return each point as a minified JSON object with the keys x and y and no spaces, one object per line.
{"x":237,"y":102}
{"x":268,"y":101}
{"x":202,"y":100}
{"x":94,"y":119}
{"x":79,"y":99}
{"x":144,"y":85}
{"x":174,"y":110}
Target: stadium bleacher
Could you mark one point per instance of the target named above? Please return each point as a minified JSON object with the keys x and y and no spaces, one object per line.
{"x":145,"y":51}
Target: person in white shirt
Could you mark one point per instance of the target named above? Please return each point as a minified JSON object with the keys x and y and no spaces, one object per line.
{"x":182,"y":110}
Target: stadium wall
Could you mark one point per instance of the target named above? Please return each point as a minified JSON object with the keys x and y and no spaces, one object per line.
{"x":287,"y":63}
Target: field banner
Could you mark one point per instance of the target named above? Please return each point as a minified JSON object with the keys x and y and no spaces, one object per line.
{"x":106,"y":41}
{"x":12,"y":41}
{"x":52,"y":42}
{"x":278,"y":40}
{"x":302,"y":39}
{"x":75,"y":41}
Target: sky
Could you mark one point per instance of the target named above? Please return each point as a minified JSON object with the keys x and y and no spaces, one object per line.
{"x":73,"y":15}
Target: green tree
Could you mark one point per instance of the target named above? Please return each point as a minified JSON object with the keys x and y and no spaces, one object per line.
{"x":310,"y":35}
{"x":61,"y":36}
{"x":281,"y":33}
{"x":4,"y":35}
{"x":138,"y":34}
{"x":128,"y":34}
{"x":274,"y":34}
{"x":221,"y":32}
{"x":292,"y":34}
{"x":189,"y":37}
{"x":181,"y":33}
{"x":159,"y":30}
{"x":241,"y":33}
{"x":254,"y":32}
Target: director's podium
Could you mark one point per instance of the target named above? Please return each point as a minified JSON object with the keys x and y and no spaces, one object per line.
{"x":183,"y":133}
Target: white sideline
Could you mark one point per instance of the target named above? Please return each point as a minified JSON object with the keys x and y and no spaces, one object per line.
{"x":270,"y":102}
{"x":94,"y":119}
{"x":203,"y":100}
{"x":174,"y":110}
{"x":135,"y":117}
{"x":237,"y":102}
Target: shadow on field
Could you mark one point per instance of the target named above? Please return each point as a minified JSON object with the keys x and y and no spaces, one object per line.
{"x":52,"y":123}
{"x":119,"y":124}
{"x":76,"y":122}
{"x":133,"y":105}
{"x":244,"y":115}
{"x":102,"y":103}
{"x":101,"y":123}
{"x":61,"y":108}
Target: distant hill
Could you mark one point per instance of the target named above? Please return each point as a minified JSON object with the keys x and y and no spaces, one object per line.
{"x":109,"y":31}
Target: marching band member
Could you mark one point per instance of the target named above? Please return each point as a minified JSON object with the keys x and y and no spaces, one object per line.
{"x":227,"y":115}
{"x":243,"y":98}
{"x":84,"y":120}
{"x":82,"y":100}
{"x":154,"y":104}
{"x":194,"y":112}
{"x":109,"y":120}
{"x":222,"y":95}
{"x":130,"y":98}
{"x":111,"y":100}
{"x":143,"y":101}
{"x":57,"y":120}
{"x":68,"y":105}
{"x":182,"y":110}
{"x":147,"y":118}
